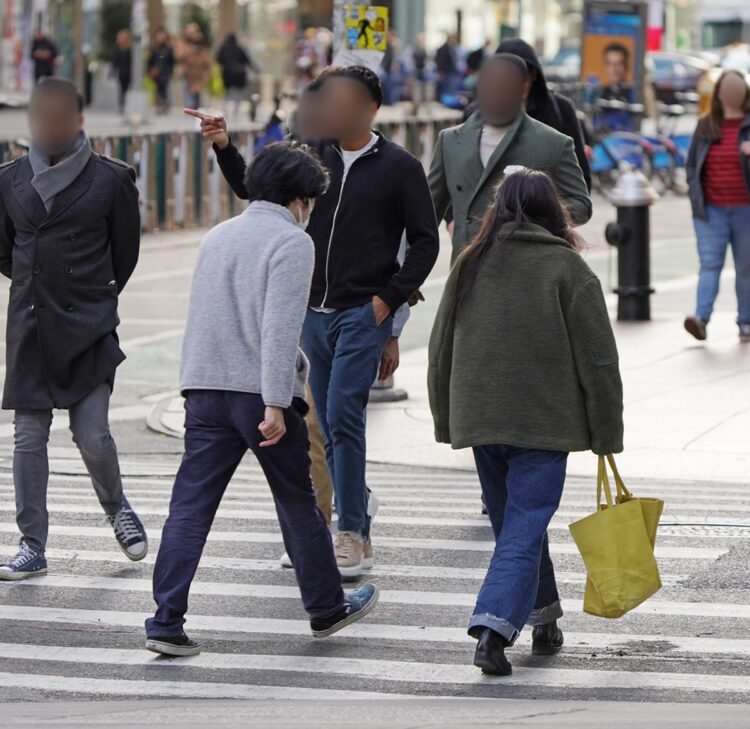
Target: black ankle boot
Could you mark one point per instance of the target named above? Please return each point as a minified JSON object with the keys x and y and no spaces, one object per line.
{"x":546,"y":639}
{"x":490,"y":653}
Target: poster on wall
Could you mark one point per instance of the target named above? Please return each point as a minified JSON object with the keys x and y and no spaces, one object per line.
{"x":612,"y":61}
{"x":362,"y":32}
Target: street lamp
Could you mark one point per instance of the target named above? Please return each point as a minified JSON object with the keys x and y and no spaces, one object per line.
{"x":137,"y":101}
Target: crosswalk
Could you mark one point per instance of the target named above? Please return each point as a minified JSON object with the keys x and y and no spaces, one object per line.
{"x":78,"y":631}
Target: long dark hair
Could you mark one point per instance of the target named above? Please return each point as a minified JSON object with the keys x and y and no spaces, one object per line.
{"x":524,"y":197}
{"x":709,"y":126}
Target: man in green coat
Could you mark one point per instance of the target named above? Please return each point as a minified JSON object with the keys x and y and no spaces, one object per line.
{"x":470,"y":159}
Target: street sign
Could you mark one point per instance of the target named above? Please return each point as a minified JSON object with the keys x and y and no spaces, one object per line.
{"x":360,"y":34}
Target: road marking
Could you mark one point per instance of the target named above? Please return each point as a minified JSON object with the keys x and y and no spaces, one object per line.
{"x":563,"y":577}
{"x":97,"y":619}
{"x":454,"y":545}
{"x":183,"y":689}
{"x":396,"y":597}
{"x":230,"y":511}
{"x":382,"y":670}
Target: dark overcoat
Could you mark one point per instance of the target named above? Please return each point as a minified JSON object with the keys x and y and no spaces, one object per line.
{"x":67,"y":268}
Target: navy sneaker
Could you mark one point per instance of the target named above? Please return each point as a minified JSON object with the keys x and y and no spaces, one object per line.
{"x":129,"y":532}
{"x":26,"y":563}
{"x":356,"y":606}
{"x":177,"y":645}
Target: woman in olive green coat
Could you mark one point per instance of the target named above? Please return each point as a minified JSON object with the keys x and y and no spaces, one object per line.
{"x":523,"y":368}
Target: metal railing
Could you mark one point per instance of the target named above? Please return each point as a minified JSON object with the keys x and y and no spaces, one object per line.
{"x":178,"y":176}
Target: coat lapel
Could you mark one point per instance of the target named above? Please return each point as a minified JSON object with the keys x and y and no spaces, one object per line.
{"x":498,"y":154}
{"x":30,"y":203}
{"x":71,"y":193}
{"x":467,"y":150}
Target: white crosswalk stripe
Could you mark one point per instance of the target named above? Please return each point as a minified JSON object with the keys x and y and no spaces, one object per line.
{"x":257,"y":644}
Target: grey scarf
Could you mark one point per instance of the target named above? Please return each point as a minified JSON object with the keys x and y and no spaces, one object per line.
{"x":49,"y":180}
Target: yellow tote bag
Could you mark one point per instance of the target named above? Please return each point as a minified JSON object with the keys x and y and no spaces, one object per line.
{"x":616,"y":544}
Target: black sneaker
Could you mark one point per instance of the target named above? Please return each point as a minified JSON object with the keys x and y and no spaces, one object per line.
{"x":490,"y":653}
{"x":356,"y":606}
{"x":547,"y":639}
{"x":177,"y":645}
{"x":129,"y":532}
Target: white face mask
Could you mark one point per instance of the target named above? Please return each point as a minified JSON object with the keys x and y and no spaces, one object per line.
{"x":304,"y":218}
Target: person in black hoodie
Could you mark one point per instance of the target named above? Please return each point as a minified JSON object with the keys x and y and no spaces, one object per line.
{"x":546,"y":106}
{"x":378,"y":191}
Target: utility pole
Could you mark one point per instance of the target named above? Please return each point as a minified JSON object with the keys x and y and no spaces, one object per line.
{"x":79,"y":69}
{"x":137,"y":101}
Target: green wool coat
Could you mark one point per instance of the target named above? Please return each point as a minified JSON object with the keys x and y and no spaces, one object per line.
{"x":529,"y":359}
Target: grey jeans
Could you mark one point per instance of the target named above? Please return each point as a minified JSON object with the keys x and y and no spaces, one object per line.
{"x":89,"y":423}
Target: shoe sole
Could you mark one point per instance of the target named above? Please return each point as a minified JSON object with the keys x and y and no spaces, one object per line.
{"x":491,"y":669}
{"x":351,"y":619}
{"x":368,"y":563}
{"x":16,"y":576}
{"x":352,"y":573}
{"x":544,"y":649}
{"x":693,"y":329}
{"x":167,"y":649}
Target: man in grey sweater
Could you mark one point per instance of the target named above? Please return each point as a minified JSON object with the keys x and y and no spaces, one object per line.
{"x":243,"y":377}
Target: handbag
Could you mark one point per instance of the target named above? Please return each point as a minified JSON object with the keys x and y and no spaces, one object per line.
{"x":617,"y":547}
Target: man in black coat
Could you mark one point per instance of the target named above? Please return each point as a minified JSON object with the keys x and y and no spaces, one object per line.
{"x":69,"y":241}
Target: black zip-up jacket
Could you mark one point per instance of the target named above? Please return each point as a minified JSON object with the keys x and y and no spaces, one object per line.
{"x":358,"y":224}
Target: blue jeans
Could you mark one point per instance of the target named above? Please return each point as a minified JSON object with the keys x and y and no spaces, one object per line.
{"x":220,"y":427}
{"x":344,"y":349}
{"x":725,"y":226}
{"x":522,"y":489}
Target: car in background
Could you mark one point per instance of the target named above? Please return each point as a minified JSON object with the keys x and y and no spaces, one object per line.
{"x":564,"y":67}
{"x":674,"y":74}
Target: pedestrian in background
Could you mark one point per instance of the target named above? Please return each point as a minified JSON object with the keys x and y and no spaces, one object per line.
{"x":447,"y":65}
{"x":195,"y":60}
{"x":243,"y":376}
{"x":122,"y":65}
{"x":718,"y":175}
{"x":69,"y":241}
{"x":469,"y":160}
{"x":44,"y":55}
{"x":523,"y":368}
{"x":161,"y":63}
{"x":235,"y":63}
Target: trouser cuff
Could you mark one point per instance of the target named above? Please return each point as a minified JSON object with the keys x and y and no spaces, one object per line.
{"x":499,"y":625}
{"x":542,"y":616}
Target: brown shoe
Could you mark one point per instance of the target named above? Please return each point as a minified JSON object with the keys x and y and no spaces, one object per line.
{"x":349,"y":550}
{"x":697,"y":327}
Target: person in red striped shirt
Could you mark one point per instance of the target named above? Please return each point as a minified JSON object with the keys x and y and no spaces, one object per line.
{"x":718,"y":171}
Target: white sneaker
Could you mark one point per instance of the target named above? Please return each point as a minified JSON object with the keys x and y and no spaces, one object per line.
{"x":349,"y":548}
{"x":368,"y":559}
{"x":286,"y":561}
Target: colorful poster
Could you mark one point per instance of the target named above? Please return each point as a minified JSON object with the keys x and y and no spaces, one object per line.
{"x":366,"y":27}
{"x":612,"y":56}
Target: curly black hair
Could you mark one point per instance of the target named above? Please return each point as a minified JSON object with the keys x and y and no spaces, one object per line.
{"x":369,"y":79}
{"x":284,"y":172}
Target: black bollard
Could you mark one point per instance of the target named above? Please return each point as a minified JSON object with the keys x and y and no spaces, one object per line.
{"x":633,"y":195}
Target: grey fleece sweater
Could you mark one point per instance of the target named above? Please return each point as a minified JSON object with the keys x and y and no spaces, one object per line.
{"x":247,"y":303}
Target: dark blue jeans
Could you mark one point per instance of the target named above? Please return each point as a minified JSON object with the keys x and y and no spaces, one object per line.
{"x":344,"y":349}
{"x":220,"y":428}
{"x":522,"y":489}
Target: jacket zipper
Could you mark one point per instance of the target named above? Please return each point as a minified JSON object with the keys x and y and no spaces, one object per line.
{"x":336,"y":212}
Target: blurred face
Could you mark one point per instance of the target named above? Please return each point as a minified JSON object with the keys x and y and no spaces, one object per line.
{"x":160,"y":37}
{"x":501,"y":90}
{"x":54,"y":122}
{"x":347,"y":109}
{"x":615,"y":66}
{"x":733,"y":92}
{"x":310,"y":121}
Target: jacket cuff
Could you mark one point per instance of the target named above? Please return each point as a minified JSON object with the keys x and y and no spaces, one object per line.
{"x":393,"y":297}
{"x":227,"y":151}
